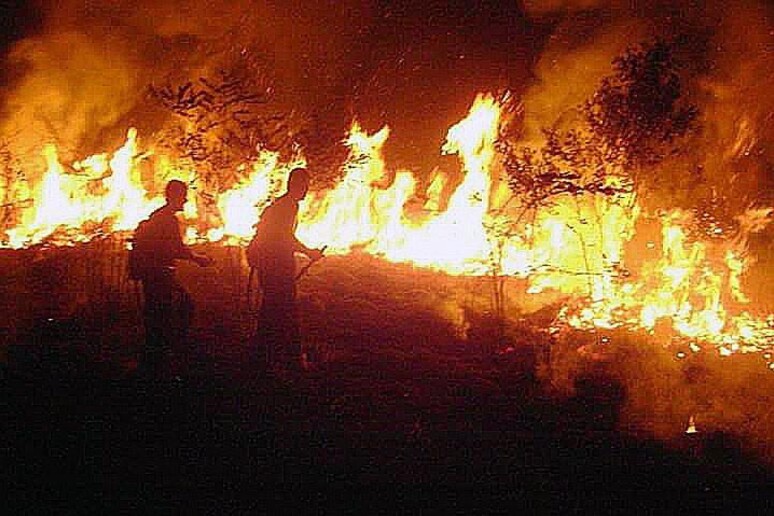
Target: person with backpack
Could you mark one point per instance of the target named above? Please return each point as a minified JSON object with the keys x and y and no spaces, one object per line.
{"x":167,"y":307}
{"x":277,"y":340}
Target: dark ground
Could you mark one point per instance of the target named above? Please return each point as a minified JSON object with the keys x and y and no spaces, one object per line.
{"x":384,"y":423}
{"x":338,"y":439}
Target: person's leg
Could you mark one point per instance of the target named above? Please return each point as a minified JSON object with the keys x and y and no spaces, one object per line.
{"x":262,"y":345}
{"x":288,"y":338}
{"x":186,"y":310}
{"x":150,"y":358}
{"x":277,"y":331}
{"x":157,"y":311}
{"x":183,"y":309}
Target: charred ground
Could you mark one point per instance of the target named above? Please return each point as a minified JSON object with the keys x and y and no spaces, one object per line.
{"x":400,"y":405}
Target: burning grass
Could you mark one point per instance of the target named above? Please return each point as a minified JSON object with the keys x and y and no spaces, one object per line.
{"x":589,"y":250}
{"x":576,"y":224}
{"x":417,"y":346}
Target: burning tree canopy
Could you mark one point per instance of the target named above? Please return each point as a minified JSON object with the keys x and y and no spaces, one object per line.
{"x":637,"y":114}
{"x":631,"y":121}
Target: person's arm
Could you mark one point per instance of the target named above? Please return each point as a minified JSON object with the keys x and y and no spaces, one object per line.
{"x":183,"y":252}
{"x":180,"y":251}
{"x":312,"y":254}
{"x":298,"y":246}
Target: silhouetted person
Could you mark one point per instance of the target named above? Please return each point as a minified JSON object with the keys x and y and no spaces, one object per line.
{"x":167,"y":307}
{"x":275,"y":243}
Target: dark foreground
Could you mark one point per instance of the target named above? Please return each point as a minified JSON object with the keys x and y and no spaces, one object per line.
{"x":370,"y":434}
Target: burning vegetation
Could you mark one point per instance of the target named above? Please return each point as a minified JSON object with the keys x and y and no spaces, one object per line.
{"x":566,"y":214}
{"x":627,"y":208}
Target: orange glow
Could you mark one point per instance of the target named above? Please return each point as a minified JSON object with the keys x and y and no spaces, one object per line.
{"x":690,"y":288}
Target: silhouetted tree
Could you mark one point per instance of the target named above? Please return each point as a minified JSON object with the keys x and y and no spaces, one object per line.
{"x":221,"y":121}
{"x":639,"y":112}
{"x":631,"y":122}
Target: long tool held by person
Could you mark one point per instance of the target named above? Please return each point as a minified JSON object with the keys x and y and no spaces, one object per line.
{"x":306,"y":267}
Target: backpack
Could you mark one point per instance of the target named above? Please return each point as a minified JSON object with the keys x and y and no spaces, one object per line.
{"x":141,"y":252}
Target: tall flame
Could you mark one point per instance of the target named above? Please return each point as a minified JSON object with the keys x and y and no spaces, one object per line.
{"x":689,"y":288}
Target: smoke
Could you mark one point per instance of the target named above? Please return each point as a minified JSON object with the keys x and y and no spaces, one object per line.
{"x":83,"y":77}
{"x":72,"y":88}
{"x":724,"y":52}
{"x":570,"y":68}
{"x":739,"y":125}
{"x":304,"y":43}
{"x":79,"y":79}
{"x":415,"y":67}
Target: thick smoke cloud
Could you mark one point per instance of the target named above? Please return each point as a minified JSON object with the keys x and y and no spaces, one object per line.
{"x":72,"y":88}
{"x":415,"y":67}
{"x":79,"y":78}
{"x":569,"y":70}
{"x":725,"y":52}
{"x":88,"y":69}
{"x":739,"y":124}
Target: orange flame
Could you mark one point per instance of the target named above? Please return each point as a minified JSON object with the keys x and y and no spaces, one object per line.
{"x":577,"y":246}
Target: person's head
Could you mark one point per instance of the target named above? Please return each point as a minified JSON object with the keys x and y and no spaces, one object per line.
{"x":176,"y":193}
{"x":298,"y":183}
